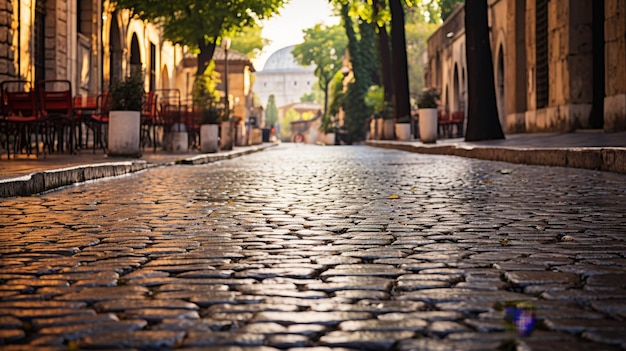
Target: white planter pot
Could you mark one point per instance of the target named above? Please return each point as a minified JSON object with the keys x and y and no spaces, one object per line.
{"x":388,"y":129}
{"x":124,"y":133}
{"x":428,"y":125}
{"x":379,"y":129}
{"x":209,"y":138}
{"x":403,"y":131}
{"x":180,"y":141}
{"x":330,"y":138}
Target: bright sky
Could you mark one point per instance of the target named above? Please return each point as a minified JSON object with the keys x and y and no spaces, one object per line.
{"x":286,"y":29}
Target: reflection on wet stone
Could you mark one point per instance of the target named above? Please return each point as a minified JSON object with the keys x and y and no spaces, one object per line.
{"x":302,"y":248}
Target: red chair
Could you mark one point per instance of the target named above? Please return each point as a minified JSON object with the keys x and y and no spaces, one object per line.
{"x":149,"y":120}
{"x":99,"y":121}
{"x":458,"y":118}
{"x":84,"y":106}
{"x":443,"y":124}
{"x":56,"y":105}
{"x":21,"y":118}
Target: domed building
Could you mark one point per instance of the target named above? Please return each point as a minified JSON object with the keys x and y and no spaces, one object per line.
{"x":284,"y":77}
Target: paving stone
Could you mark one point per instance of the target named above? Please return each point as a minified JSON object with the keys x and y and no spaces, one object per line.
{"x":446,"y":345}
{"x":73,"y":320}
{"x":284,"y":341}
{"x":363,"y":270}
{"x":209,"y":338}
{"x":124,"y":305}
{"x":9,"y":335}
{"x":158,"y":314}
{"x":433,"y":296}
{"x":525,"y":278}
{"x":416,"y":325}
{"x":575,"y":326}
{"x":365,"y":340}
{"x":76,"y":331}
{"x":541,"y":345}
{"x":613,"y":337}
{"x":442,"y":328}
{"x":322,"y":318}
{"x":142,"y":339}
{"x":424,"y":315}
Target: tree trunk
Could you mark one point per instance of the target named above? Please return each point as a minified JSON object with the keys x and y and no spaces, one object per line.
{"x":205,"y":56}
{"x":385,"y":58}
{"x":482,"y":114}
{"x":402,"y":103}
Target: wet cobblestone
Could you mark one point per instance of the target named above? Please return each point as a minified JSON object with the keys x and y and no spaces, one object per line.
{"x":319,"y":249}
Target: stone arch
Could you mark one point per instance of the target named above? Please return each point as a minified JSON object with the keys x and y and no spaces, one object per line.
{"x":456,"y":90}
{"x":135,"y":59}
{"x":446,"y":100}
{"x":165,"y":77}
{"x":116,"y":50}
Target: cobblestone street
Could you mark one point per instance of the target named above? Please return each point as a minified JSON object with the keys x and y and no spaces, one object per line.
{"x":303,"y":247}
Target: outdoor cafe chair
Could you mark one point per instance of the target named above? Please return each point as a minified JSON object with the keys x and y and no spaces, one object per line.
{"x":99,"y":121}
{"x":21,"y":118}
{"x":84,"y":106}
{"x":55,"y":103}
{"x":149,"y":120}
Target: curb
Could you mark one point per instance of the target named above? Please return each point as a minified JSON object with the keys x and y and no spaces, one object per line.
{"x":609,"y":159}
{"x":40,"y":182}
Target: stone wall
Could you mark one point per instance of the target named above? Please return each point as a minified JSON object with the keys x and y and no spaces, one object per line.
{"x":7,"y":54}
{"x":615,"y":53}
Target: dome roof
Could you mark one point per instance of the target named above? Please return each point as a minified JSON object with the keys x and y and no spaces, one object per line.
{"x":283,"y":60}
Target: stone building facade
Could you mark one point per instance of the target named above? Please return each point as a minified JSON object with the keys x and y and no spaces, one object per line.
{"x":91,"y":43}
{"x":560,"y":65}
{"x":283,"y":77}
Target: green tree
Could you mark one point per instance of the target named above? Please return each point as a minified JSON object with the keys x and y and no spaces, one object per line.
{"x":417,"y":34}
{"x":201,"y":24}
{"x":310,"y":97}
{"x":356,"y":111}
{"x":271,"y":111}
{"x":447,"y":6}
{"x":402,"y":101}
{"x":324,"y":47}
{"x":249,"y":41}
{"x":482,"y":112}
{"x":205,"y":94}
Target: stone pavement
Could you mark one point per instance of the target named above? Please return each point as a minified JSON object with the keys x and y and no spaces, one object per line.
{"x":589,"y":150}
{"x":304,"y":247}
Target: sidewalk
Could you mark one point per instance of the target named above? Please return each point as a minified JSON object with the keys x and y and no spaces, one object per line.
{"x":26,"y":176}
{"x":590,"y":150}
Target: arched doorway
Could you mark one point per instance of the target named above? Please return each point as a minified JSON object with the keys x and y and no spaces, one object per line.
{"x":135,"y":55}
{"x":456,"y":106}
{"x":500,"y":97}
{"x":599,"y":93}
{"x":40,"y":40}
{"x":165,"y":78}
{"x":115,"y":60}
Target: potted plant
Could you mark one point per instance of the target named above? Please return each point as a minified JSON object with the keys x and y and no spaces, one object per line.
{"x":209,"y":129}
{"x":384,"y":124}
{"x":403,"y":128}
{"x":205,"y":97}
{"x":427,"y":104}
{"x":126,"y":99}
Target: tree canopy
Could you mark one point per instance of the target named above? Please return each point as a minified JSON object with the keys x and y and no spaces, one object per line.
{"x":201,"y":24}
{"x":323,"y":47}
